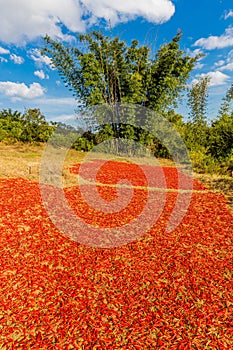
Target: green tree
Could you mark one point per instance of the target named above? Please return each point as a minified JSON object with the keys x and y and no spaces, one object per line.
{"x":197,"y":130}
{"x":226,"y":104}
{"x":35,"y":127}
{"x":107,"y":71}
{"x":168,"y":75}
{"x":221,"y":132}
{"x":10,"y":115}
{"x":197,"y":100}
{"x":10,"y":125}
{"x":221,"y":137}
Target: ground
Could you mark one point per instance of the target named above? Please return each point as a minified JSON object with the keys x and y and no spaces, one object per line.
{"x":167,"y":289}
{"x":15,"y":161}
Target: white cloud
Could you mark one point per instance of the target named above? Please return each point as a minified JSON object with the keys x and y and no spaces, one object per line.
{"x":219,"y":63}
{"x":66,"y":117}
{"x":194,"y":53}
{"x":16,"y":59}
{"x":21,"y":90}
{"x":3,"y":59}
{"x":26,"y":20}
{"x":4,"y":51}
{"x":199,"y":65}
{"x":216,"y":78}
{"x":228,"y":14}
{"x":226,"y":65}
{"x":64,"y":101}
{"x":155,"y":11}
{"x":41,"y":74}
{"x":31,"y":19}
{"x":216,"y":42}
{"x":40,"y":59}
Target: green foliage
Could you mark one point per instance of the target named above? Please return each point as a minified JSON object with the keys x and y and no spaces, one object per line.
{"x":35,"y":127}
{"x":28,"y":127}
{"x":105,"y":70}
{"x":168,"y":75}
{"x":10,"y":125}
{"x":195,"y":135}
{"x":109,"y":71}
{"x":221,"y":137}
{"x":211,"y":147}
{"x":225,"y":106}
{"x":197,"y":100}
{"x":197,"y":129}
{"x":203,"y":162}
{"x":105,"y":133}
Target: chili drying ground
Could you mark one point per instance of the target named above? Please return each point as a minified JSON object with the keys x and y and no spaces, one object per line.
{"x":163,"y":291}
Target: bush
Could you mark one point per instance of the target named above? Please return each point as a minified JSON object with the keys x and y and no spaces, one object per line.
{"x":203,"y":162}
{"x":221,"y":138}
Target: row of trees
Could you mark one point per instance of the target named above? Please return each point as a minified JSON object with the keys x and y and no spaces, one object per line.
{"x":210,"y":146}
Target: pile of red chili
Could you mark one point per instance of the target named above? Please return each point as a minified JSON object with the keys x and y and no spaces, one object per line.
{"x":162,"y":291}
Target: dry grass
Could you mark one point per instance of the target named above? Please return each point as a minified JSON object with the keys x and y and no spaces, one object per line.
{"x":17,"y":160}
{"x":219,"y":184}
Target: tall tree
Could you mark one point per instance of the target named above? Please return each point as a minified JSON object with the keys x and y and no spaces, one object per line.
{"x":226,"y":104}
{"x":168,"y":75}
{"x":221,"y":137}
{"x":10,"y":125}
{"x":107,"y":70}
{"x":197,"y":100}
{"x":35,"y":127}
{"x":197,"y":129}
{"x":221,"y":132}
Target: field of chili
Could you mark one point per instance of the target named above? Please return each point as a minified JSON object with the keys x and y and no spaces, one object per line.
{"x":165,"y":290}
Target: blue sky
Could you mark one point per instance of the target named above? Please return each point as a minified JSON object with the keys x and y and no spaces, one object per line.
{"x":28,"y":81}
